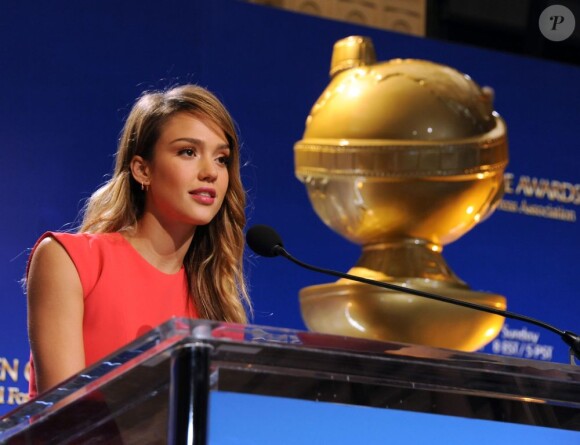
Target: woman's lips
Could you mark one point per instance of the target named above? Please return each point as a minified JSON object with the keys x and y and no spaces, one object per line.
{"x":203,"y":195}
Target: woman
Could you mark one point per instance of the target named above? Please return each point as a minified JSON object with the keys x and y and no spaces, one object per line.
{"x":163,"y":237}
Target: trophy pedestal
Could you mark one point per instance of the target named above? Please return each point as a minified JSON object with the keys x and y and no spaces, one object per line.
{"x":360,"y":310}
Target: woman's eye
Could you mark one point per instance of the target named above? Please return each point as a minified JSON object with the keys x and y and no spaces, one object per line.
{"x":187,"y":152}
{"x":224,"y":160}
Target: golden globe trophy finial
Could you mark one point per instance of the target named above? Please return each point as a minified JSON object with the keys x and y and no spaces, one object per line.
{"x":401,"y":157}
{"x":352,"y":52}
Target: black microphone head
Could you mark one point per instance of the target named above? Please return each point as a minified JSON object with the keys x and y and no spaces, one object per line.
{"x":263,"y":240}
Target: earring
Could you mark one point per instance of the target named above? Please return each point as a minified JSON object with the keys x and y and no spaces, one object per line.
{"x":145,"y":187}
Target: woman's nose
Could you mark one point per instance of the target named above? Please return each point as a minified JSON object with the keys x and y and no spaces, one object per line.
{"x":207,"y":170}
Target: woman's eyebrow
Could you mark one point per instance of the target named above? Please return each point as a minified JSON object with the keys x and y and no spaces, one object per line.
{"x":190,"y":140}
{"x":199,"y":142}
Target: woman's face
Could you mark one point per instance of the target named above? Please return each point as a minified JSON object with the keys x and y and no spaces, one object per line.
{"x":188,"y":174}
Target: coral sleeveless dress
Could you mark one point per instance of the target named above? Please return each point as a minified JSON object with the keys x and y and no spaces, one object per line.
{"x":124,"y":295}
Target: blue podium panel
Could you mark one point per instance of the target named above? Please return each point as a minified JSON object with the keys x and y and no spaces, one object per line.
{"x":204,"y":382}
{"x":235,"y":418}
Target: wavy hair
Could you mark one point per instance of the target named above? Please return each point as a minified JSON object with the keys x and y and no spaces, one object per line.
{"x":213,"y":262}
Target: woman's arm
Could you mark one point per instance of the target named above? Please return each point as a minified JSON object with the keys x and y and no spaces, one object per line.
{"x":55,"y":315}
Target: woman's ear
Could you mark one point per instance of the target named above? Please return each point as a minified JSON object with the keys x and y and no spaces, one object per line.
{"x":140,"y":171}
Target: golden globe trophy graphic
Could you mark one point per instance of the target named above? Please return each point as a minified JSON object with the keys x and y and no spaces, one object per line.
{"x":401,"y":157}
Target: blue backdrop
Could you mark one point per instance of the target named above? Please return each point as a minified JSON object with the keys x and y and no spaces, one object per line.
{"x":71,"y":71}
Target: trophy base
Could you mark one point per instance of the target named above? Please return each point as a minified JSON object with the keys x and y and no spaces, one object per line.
{"x":360,"y":310}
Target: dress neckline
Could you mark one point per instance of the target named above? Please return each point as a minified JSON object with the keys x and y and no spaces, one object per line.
{"x":144,"y":260}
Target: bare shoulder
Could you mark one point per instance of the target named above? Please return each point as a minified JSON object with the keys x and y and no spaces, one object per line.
{"x":49,"y":250}
{"x":51,"y":268}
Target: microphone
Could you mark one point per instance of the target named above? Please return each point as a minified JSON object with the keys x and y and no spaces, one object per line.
{"x":264,"y":241}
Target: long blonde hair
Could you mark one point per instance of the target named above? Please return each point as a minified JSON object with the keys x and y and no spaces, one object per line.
{"x":213,"y":263}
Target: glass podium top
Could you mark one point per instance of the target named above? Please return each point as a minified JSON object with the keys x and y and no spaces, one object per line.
{"x":125,"y":396}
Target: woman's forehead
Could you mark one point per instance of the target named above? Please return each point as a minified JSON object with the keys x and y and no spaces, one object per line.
{"x":191,"y":125}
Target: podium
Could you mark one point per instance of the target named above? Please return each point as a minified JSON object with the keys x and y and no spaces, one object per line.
{"x":196,"y":382}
